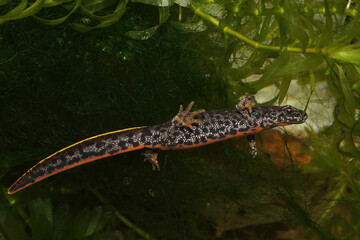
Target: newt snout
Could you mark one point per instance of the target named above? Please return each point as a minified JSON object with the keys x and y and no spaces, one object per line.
{"x":305,"y":116}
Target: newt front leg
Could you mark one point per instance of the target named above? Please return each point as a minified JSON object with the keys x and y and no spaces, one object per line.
{"x":185,"y":118}
{"x":248,"y":102}
{"x":245,"y":107}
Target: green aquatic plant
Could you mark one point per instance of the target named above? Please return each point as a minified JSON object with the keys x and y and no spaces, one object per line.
{"x":70,"y":69}
{"x":40,"y":220}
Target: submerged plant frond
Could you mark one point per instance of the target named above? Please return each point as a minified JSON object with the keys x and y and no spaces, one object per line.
{"x":124,"y":60}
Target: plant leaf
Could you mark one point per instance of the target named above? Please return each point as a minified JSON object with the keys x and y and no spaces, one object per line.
{"x":346,"y":89}
{"x":265,"y":26}
{"x":183,"y":3}
{"x":142,"y":35}
{"x":12,"y":226}
{"x":40,"y":219}
{"x":93,"y":220}
{"x":3,"y":2}
{"x":159,"y":3}
{"x":327,"y":31}
{"x":60,"y":222}
{"x":115,"y":16}
{"x":284,"y":87}
{"x":52,"y":3}
{"x":192,"y":27}
{"x":269,"y":75}
{"x":59,"y":20}
{"x":293,"y":23}
{"x":80,"y":223}
{"x":14,"y":12}
{"x":216,"y":10}
{"x":39,"y":207}
{"x":34,"y":8}
{"x":348,"y":54}
{"x":164,"y":13}
{"x":97,"y":5}
{"x":105,"y":20}
{"x":302,"y":65}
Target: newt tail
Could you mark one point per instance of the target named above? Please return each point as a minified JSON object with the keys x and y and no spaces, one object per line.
{"x":186,"y":130}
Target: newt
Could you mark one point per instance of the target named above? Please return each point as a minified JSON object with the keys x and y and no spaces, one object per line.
{"x":186,"y":130}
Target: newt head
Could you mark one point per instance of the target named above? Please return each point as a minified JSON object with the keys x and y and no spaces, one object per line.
{"x":281,"y":116}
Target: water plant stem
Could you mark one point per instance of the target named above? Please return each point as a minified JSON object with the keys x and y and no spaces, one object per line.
{"x":122,"y":218}
{"x":279,"y":11}
{"x":333,"y":202}
{"x":228,"y":30}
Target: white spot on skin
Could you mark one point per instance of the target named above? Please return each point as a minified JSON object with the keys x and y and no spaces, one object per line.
{"x":59,"y":161}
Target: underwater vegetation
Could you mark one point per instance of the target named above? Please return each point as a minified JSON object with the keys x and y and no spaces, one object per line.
{"x":72,"y":69}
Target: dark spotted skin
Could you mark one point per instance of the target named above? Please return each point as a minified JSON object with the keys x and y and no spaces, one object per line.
{"x":206,"y":128}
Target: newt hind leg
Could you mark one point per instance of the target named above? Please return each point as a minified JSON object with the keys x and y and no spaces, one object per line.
{"x":151,"y":156}
{"x":252,"y":143}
